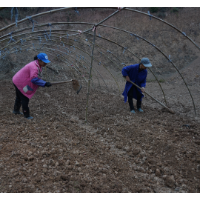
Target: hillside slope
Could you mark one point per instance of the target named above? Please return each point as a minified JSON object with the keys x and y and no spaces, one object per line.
{"x":172,"y":43}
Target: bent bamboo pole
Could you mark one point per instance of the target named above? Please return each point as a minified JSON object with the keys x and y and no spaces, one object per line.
{"x":154,"y":47}
{"x":78,"y":61}
{"x":120,"y":46}
{"x":98,"y":46}
{"x":124,"y":8}
{"x":165,"y":57}
{"x":165,"y":23}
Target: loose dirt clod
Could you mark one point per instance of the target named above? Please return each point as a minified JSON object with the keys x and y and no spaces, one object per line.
{"x":170,"y":182}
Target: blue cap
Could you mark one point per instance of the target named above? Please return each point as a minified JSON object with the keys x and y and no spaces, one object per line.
{"x":43,"y":57}
{"x":146,"y":62}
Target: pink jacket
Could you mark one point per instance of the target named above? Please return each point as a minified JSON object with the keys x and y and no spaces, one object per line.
{"x":22,"y":79}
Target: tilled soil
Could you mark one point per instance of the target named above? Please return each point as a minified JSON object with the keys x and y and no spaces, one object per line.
{"x":115,"y":151}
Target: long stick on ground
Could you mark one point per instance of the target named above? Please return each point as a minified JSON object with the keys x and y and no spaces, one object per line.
{"x":153,"y":98}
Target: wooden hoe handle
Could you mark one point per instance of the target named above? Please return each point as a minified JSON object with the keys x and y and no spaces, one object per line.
{"x":60,"y":82}
{"x":154,"y":98}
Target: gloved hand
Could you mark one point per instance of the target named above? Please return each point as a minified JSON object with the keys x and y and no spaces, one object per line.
{"x":47,"y":84}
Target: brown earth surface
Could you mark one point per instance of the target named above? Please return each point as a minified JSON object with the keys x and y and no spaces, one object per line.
{"x":114,"y":152}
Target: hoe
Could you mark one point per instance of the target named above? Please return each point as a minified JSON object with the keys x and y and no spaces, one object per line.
{"x":75,"y":84}
{"x":171,"y":111}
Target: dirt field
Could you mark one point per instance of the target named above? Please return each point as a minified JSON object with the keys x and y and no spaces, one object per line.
{"x":114,"y":152}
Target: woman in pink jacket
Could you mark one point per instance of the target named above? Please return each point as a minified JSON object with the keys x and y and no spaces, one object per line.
{"x":26,"y":82}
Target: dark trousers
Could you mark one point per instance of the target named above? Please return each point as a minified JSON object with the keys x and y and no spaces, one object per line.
{"x":130,"y":98}
{"x":23,"y":101}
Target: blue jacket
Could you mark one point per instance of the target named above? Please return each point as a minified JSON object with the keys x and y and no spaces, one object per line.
{"x":137,"y":77}
{"x":38,"y":81}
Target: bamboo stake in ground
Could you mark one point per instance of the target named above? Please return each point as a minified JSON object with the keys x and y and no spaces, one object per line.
{"x":153,"y":98}
{"x":90,"y":75}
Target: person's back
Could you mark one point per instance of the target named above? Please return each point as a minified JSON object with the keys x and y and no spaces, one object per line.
{"x":23,"y":78}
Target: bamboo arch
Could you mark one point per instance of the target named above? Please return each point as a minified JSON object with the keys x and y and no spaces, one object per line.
{"x":94,"y":45}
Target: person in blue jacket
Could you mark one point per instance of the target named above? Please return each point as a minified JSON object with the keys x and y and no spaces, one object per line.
{"x":137,"y":74}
